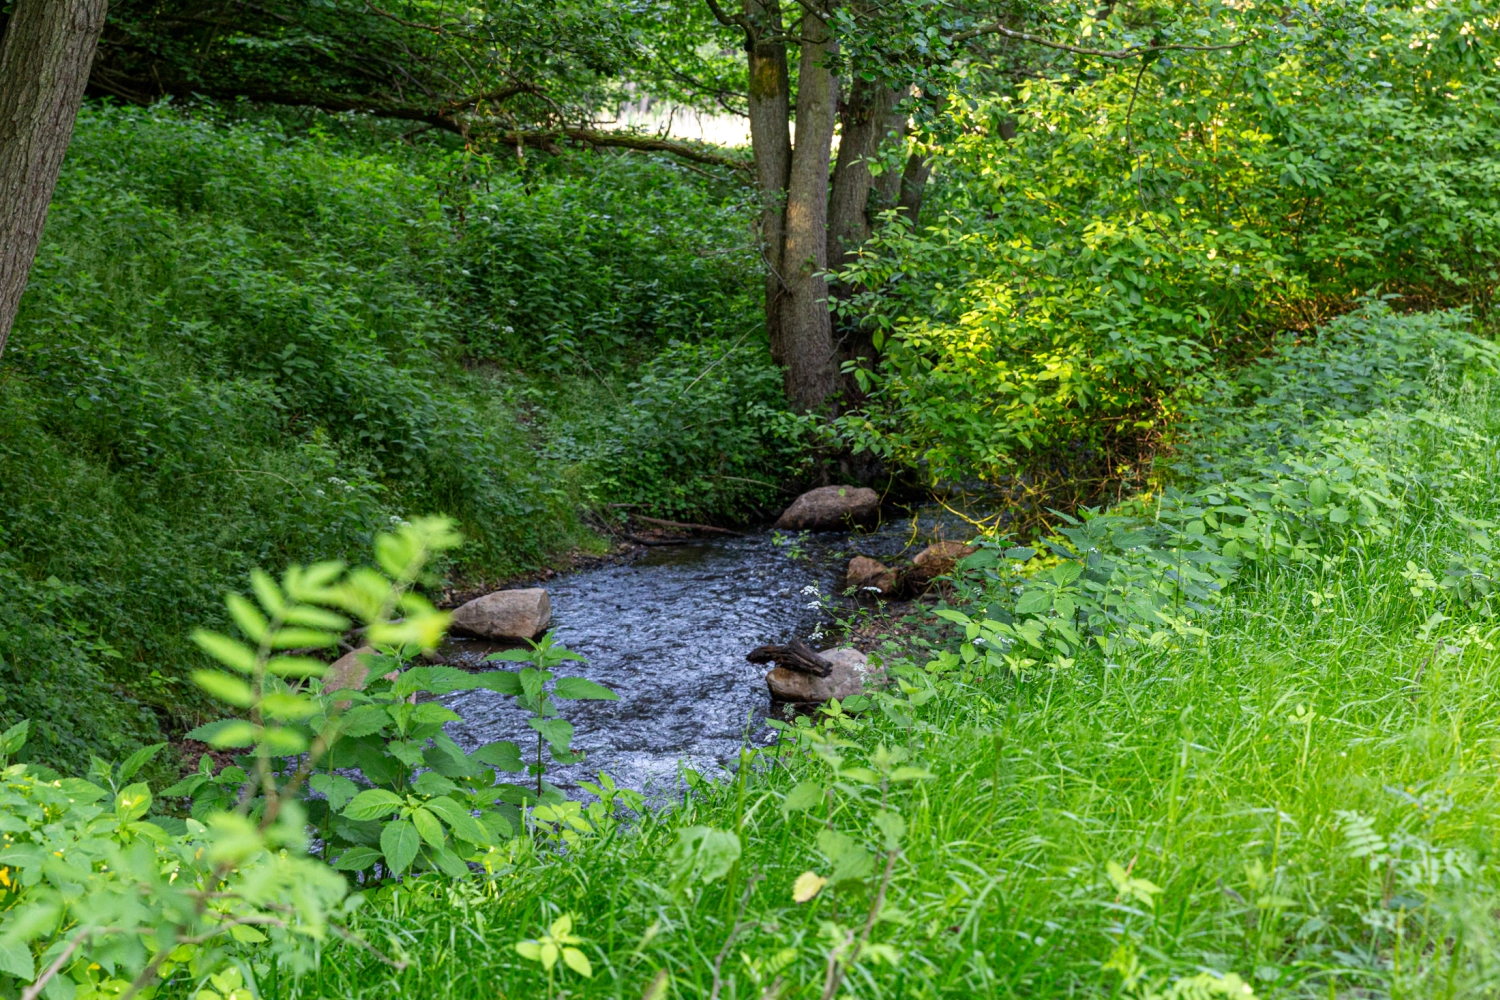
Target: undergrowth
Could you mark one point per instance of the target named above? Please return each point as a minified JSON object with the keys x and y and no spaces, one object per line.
{"x":1279,"y":785}
{"x":251,"y":341}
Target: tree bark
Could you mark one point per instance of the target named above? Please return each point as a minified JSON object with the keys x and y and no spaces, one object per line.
{"x":806,"y":328}
{"x":864,"y":121}
{"x":45,"y":57}
{"x":913,"y":187}
{"x":770,"y":116}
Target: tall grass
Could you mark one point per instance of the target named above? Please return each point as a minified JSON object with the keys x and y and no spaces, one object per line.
{"x":1311,"y":785}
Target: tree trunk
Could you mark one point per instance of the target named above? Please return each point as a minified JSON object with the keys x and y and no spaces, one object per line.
{"x":913,"y":187}
{"x":45,"y":57}
{"x":864,"y":119}
{"x":770,"y":114}
{"x":806,"y":330}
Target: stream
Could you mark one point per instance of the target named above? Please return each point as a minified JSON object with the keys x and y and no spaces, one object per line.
{"x":668,"y":632}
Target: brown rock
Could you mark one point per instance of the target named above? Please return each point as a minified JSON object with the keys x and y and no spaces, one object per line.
{"x":349,"y":673}
{"x":940,"y":557}
{"x":851,"y":673}
{"x":505,"y":614}
{"x":866,"y":572}
{"x":830,"y":507}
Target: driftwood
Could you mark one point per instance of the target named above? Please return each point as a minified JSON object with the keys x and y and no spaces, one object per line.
{"x":795,"y":655}
{"x":687,"y":525}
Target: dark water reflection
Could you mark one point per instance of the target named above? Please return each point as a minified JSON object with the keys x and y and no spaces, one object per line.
{"x":669,"y":632}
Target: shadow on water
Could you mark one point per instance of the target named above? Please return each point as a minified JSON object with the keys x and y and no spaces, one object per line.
{"x":668,"y":632}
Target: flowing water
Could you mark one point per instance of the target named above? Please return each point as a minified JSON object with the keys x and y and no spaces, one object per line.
{"x":668,"y":632}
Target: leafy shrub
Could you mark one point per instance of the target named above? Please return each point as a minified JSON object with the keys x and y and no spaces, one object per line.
{"x":1097,"y":238}
{"x":704,"y":432}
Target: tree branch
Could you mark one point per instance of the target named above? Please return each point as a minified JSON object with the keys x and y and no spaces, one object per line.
{"x":1129,"y":52}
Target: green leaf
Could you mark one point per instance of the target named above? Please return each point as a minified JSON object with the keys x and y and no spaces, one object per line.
{"x":317,"y":618}
{"x":502,"y":755}
{"x":578,"y":962}
{"x":133,"y":802}
{"x":582,"y":688}
{"x":336,"y":788}
{"x":1033,"y":602}
{"x":432,"y":783}
{"x":399,"y":841}
{"x":138,"y":760}
{"x":805,"y":796}
{"x":357,"y":859}
{"x":233,"y":654}
{"x":286,"y":706}
{"x":224,"y":733}
{"x":464,"y":826}
{"x":248,"y":617}
{"x":295,"y":637}
{"x":366,"y":720}
{"x":296,"y":666}
{"x":428,"y":826}
{"x":557,"y":732}
{"x":224,"y":687}
{"x":910,"y":774}
{"x":373,"y":803}
{"x":450,"y":864}
{"x":15,"y":960}
{"x":702,"y":853}
{"x":850,"y":860}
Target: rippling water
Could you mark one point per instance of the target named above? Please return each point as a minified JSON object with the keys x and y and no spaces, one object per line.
{"x":668,"y":633}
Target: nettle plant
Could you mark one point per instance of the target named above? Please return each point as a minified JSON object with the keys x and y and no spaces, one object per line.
{"x":423,"y":803}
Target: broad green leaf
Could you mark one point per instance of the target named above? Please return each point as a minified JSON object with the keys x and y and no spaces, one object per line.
{"x":317,"y":618}
{"x":138,"y":760}
{"x":357,"y":859}
{"x":133,"y":802}
{"x":557,"y":732}
{"x":399,"y":841}
{"x":1033,"y":602}
{"x":428,"y":826}
{"x":702,"y":853}
{"x":449,"y":864}
{"x":336,"y":788}
{"x":295,"y":637}
{"x":464,"y":826}
{"x":502,"y":755}
{"x":290,"y":707}
{"x":582,"y":688}
{"x":15,"y":960}
{"x":578,"y":962}
{"x":804,"y":796}
{"x":373,"y":803}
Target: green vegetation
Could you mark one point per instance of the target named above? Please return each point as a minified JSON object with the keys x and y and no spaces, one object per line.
{"x":247,"y":344}
{"x":1210,"y":287}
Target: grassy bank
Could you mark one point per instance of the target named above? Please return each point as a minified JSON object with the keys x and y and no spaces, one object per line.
{"x":1288,"y":779}
{"x":251,"y":342}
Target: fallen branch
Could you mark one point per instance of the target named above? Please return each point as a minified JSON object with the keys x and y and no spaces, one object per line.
{"x":796,"y":656}
{"x":687,"y":525}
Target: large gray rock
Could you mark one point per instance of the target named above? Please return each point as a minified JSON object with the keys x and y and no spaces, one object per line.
{"x":830,"y":507}
{"x":505,"y":614}
{"x":851,"y":674}
{"x":866,"y":572}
